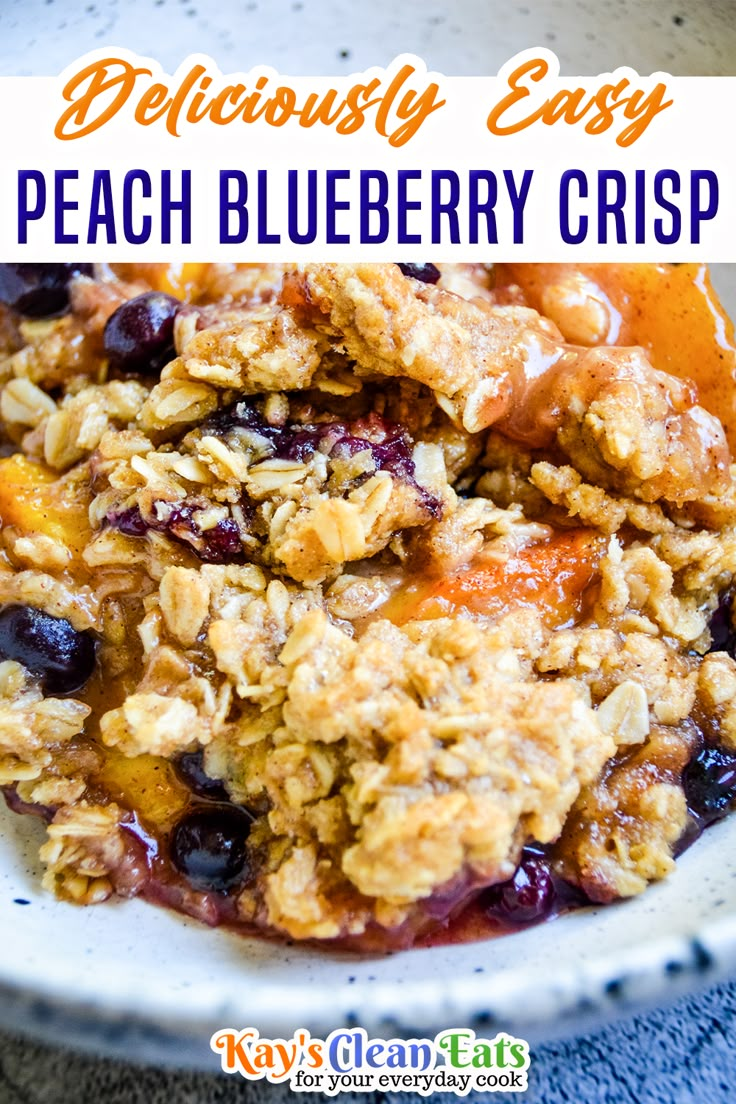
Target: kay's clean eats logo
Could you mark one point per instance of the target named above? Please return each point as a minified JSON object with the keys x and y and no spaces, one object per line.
{"x":455,"y":1060}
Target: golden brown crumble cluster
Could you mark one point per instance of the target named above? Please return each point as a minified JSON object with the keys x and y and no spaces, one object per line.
{"x":423,"y":580}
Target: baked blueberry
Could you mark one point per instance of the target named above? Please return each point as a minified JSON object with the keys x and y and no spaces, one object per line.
{"x":427,"y":273}
{"x":525,"y":898}
{"x":139,"y":335}
{"x":209,"y":846}
{"x":723,"y":637}
{"x":220,"y":543}
{"x":710,"y":783}
{"x":38,"y":290}
{"x":129,"y":522}
{"x":50,"y":647}
{"x":190,"y":768}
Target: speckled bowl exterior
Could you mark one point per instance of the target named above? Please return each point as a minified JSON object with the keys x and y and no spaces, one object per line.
{"x":130,"y":980}
{"x":338,"y":36}
{"x":133,"y":981}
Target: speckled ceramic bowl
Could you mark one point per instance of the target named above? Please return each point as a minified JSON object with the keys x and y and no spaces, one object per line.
{"x":131,"y":980}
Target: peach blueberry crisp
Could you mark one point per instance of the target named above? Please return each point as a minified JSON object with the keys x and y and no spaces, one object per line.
{"x":339,"y":601}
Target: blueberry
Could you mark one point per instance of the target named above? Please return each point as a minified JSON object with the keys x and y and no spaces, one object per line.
{"x":129,"y":522}
{"x":190,"y":769}
{"x":723,"y":637}
{"x":219,"y":544}
{"x":209,"y":846}
{"x":242,"y":415}
{"x":709,"y":780}
{"x":38,"y":290}
{"x":222,"y":544}
{"x":139,"y":336}
{"x":50,"y":647}
{"x":427,"y":273}
{"x":527,"y":897}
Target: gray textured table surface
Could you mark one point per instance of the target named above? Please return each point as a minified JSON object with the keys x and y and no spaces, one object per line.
{"x":685,"y":1054}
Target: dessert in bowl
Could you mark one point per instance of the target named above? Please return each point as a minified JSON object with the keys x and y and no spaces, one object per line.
{"x":366,"y":604}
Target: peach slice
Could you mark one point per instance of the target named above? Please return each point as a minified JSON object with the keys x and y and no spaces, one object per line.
{"x":180,"y":280}
{"x":670,"y":310}
{"x":34,"y":500}
{"x":553,"y":576}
